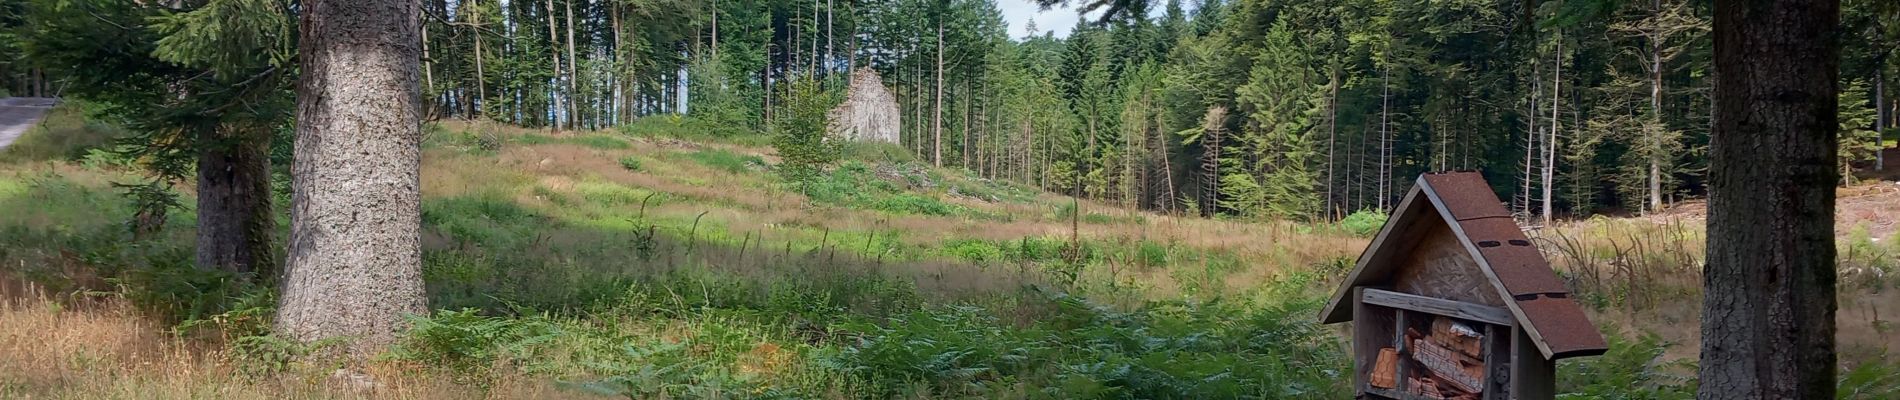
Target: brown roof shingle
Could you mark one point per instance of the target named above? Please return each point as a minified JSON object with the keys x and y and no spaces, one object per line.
{"x":1539,"y":299}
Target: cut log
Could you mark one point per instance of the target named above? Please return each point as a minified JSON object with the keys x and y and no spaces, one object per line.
{"x":1458,"y":336}
{"x":1385,"y":371}
{"x":1446,"y":365}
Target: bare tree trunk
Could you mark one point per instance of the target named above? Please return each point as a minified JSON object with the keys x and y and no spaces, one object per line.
{"x":1385,"y":138}
{"x":554,"y":90}
{"x":1655,"y":109}
{"x":1332,"y":132}
{"x":1550,"y":142}
{"x":966,"y":97}
{"x":354,"y":267}
{"x":234,"y":203}
{"x":1769,"y":287}
{"x":1530,"y":141}
{"x":1880,"y":116}
{"x":936,"y":155}
{"x":573,"y":73}
{"x":828,"y":20}
{"x":429,"y":102}
{"x":481,"y":78}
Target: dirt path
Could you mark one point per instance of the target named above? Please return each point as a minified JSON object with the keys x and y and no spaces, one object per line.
{"x":17,"y":114}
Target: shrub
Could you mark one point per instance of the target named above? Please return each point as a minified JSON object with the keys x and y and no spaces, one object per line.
{"x":1363,"y":223}
{"x":631,"y":163}
{"x":801,"y":133}
{"x":975,"y":251}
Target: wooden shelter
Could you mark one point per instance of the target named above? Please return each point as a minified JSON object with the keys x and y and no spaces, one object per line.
{"x":1452,"y":301}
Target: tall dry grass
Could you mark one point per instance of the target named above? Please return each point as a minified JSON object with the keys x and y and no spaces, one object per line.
{"x":1647,"y":275}
{"x":104,"y":349}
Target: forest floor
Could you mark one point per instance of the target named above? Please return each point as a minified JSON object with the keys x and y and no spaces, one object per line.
{"x":657,"y":262}
{"x":1872,"y":204}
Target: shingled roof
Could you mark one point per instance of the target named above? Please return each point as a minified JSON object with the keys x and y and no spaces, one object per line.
{"x":1516,"y":269}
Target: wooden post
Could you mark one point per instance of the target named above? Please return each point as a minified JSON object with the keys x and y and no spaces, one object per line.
{"x":1404,"y":346}
{"x":1532,"y":377}
{"x":1497,"y":362}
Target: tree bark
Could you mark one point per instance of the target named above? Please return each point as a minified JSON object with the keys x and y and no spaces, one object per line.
{"x":936,"y":148}
{"x":1332,"y":133}
{"x":573,"y":73}
{"x":354,"y":264}
{"x":481,"y":78}
{"x":234,"y":203}
{"x":1769,"y":287}
{"x":1550,"y":142}
{"x":1655,"y":110}
{"x":1385,"y":137}
{"x":1880,"y":116}
{"x":554,"y":91}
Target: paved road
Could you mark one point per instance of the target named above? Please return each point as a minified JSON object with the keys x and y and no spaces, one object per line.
{"x":17,"y":114}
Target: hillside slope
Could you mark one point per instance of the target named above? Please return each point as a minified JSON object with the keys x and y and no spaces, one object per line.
{"x":641,"y":263}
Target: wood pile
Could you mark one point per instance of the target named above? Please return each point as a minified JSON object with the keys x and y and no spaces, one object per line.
{"x":1447,"y":364}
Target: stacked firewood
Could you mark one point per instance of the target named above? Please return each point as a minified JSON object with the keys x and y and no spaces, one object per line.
{"x":1450,"y":362}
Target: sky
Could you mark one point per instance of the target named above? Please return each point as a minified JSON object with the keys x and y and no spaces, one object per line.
{"x":1018,"y":13}
{"x":1060,"y":19}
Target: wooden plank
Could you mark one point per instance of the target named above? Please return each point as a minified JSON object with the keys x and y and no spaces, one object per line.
{"x":1497,"y":356}
{"x":1533,"y":377}
{"x":1371,"y":331}
{"x":1404,"y":346}
{"x":1457,"y":309}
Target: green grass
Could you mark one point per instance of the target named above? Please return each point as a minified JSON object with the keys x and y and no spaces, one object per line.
{"x":854,"y":185}
{"x":726,"y":160}
{"x":596,"y":141}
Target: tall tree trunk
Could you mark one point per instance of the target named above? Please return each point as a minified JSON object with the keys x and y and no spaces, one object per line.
{"x":573,"y":73}
{"x":234,"y":203}
{"x":354,"y":267}
{"x":1385,"y":138}
{"x":936,"y":125}
{"x":481,"y":78}
{"x":429,"y":101}
{"x":828,"y":20}
{"x":1550,"y":142}
{"x":1530,"y":141}
{"x":1769,"y":286}
{"x":554,"y":89}
{"x":1332,"y":132}
{"x":965,"y":152}
{"x":1880,"y":115}
{"x":1655,"y":112}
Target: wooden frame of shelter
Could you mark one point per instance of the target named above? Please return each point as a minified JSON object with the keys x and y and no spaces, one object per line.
{"x":1452,"y":301}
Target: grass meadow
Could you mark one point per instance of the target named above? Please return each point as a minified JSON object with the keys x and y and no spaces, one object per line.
{"x":651,"y":263}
